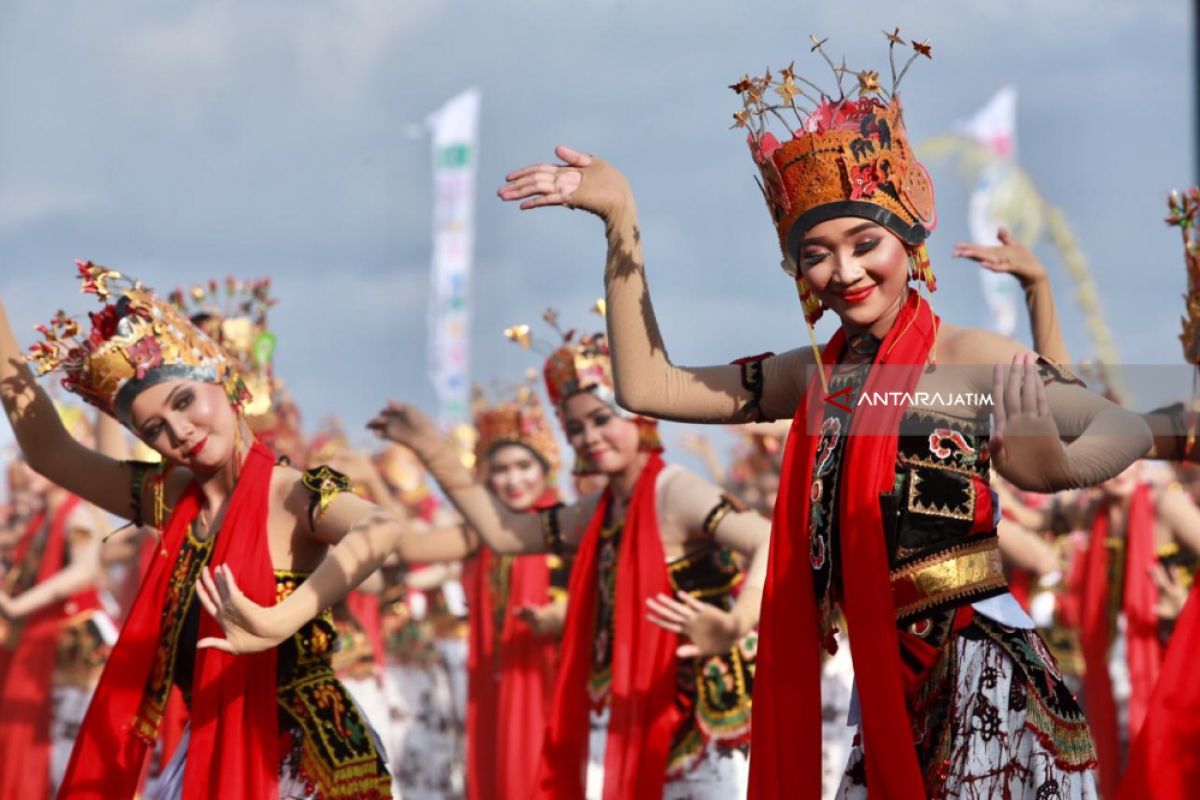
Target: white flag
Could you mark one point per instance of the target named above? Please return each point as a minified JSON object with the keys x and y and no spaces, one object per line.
{"x":995,"y":127}
{"x":455,"y":156}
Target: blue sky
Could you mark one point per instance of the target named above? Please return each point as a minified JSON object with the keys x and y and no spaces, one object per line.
{"x":182,"y":140}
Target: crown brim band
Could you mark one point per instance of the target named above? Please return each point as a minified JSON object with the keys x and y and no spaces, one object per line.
{"x":912,"y":234}
{"x":154,"y":376}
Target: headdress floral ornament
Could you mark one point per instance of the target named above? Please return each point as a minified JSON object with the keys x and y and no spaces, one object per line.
{"x":135,"y":341}
{"x":236,"y":319}
{"x":582,"y":363}
{"x":1185,"y":214}
{"x":518,"y":419}
{"x":842,"y":155}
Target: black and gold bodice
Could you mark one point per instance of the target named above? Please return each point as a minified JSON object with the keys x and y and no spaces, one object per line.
{"x":939,"y":518}
{"x":324,"y":736}
{"x":712,"y":693}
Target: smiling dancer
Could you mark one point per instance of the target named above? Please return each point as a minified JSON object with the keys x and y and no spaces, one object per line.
{"x":263,"y":548}
{"x":650,"y":717}
{"x":885,"y":510}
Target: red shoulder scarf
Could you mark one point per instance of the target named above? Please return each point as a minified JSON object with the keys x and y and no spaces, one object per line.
{"x":786,"y":739}
{"x":233,"y":749}
{"x":1143,"y":651}
{"x":27,"y":680}
{"x":1164,"y":761}
{"x":641,"y":700}
{"x":507,"y":717}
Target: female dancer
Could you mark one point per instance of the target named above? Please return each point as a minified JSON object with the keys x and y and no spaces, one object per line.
{"x":884,"y":506}
{"x":272,"y":722}
{"x":654,"y":564}
{"x":516,"y":603}
{"x":54,"y":634}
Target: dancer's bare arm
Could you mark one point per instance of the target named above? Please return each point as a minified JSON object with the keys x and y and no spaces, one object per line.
{"x":85,"y":529}
{"x":1033,"y":415}
{"x":647,"y":382}
{"x":45,"y":443}
{"x":694,"y":504}
{"x":503,"y":530}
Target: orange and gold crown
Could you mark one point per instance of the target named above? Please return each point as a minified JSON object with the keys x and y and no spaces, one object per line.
{"x":841,"y":156}
{"x":583,"y":364}
{"x":580,"y":366}
{"x":520,"y":420}
{"x":403,"y":472}
{"x":134,"y":343}
{"x":238,"y":322}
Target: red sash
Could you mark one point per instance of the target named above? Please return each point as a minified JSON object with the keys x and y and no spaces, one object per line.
{"x":1142,"y":648}
{"x":509,"y":677}
{"x":641,"y":700}
{"x":786,"y":739}
{"x":25,"y":707}
{"x":1164,"y":761}
{"x":233,"y":747}
{"x":1095,"y":634}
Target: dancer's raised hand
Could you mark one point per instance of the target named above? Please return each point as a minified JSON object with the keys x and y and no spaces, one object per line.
{"x":404,"y":424}
{"x":1010,"y":256}
{"x":581,"y":181}
{"x":1025,"y":444}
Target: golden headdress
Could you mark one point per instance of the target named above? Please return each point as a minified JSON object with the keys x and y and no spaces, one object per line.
{"x":404,"y":473}
{"x":134,"y":343}
{"x":841,"y":156}
{"x":237,"y":322}
{"x":519,"y":420}
{"x":583,"y":364}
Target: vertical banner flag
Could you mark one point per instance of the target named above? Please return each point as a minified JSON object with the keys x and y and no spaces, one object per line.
{"x":455,"y":129}
{"x":995,"y":127}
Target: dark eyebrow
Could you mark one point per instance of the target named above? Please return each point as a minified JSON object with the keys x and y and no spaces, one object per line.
{"x":857,"y":229}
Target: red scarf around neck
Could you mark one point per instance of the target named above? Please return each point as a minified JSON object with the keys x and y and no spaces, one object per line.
{"x":508,"y":675}
{"x":28,"y":678}
{"x":1164,"y":761}
{"x":1141,"y":634}
{"x":786,"y":739}
{"x":641,"y":699}
{"x":233,"y":745}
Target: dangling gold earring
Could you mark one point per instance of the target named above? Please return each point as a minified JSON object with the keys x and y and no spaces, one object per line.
{"x":237,"y":441}
{"x":919,"y":268}
{"x":812,"y":312}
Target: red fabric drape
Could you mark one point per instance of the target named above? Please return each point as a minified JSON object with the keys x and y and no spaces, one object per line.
{"x":1164,"y":761}
{"x":364,"y":606}
{"x":786,"y":743}
{"x":1094,"y":641}
{"x":509,"y":677}
{"x":18,"y":556}
{"x":642,"y":713}
{"x":233,"y":749}
{"x":1142,"y":648}
{"x":25,"y":702}
{"x":1143,"y":652}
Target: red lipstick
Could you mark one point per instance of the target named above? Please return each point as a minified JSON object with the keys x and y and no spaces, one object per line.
{"x":199,"y":448}
{"x":858,"y":295}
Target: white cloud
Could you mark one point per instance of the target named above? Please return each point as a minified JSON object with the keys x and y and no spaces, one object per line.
{"x":21,"y":206}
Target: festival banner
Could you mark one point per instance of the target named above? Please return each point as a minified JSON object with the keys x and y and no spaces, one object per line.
{"x":455,"y":128}
{"x":995,"y":128}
